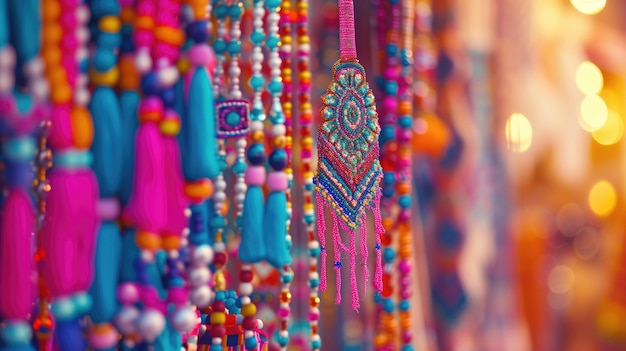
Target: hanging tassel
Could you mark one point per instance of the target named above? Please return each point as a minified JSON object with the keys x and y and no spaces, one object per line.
{"x":321,"y":234}
{"x":252,"y":248}
{"x":201,"y":157}
{"x":106,"y":148}
{"x":353,"y":286}
{"x":128,"y":102}
{"x":274,"y":223}
{"x":380,"y":231}
{"x":337,"y":251}
{"x":364,"y":253}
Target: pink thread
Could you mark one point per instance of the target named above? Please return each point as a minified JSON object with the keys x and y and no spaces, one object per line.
{"x":364,"y":253}
{"x":61,"y":135}
{"x":380,"y":230}
{"x":321,"y":235}
{"x":176,"y":202}
{"x":347,"y":44}
{"x":337,"y":263}
{"x":353,"y":286}
{"x":17,"y":225}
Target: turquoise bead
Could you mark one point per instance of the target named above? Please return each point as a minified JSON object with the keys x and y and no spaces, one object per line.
{"x":82,"y":303}
{"x":272,"y":4}
{"x":389,"y":177}
{"x":234,"y":47}
{"x":314,"y":283}
{"x":392,"y":50}
{"x":16,"y":333}
{"x":104,"y":60}
{"x":378,"y":298}
{"x":257,"y":37}
{"x":388,"y":305}
{"x":239,"y":167}
{"x":64,"y":309}
{"x":405,"y":58}
{"x":277,"y":116}
{"x":286,"y":278}
{"x":104,"y":8}
{"x":309,"y":219}
{"x":316,"y":344}
{"x":275,"y":87}
{"x":314,"y":252}
{"x":109,"y":40}
{"x":389,"y":255}
{"x":405,"y":122}
{"x":407,"y":348}
{"x":391,"y":88}
{"x":235,"y":10}
{"x":283,"y":341}
{"x":232,"y":119}
{"x":251,"y":343}
{"x":404,"y":306}
{"x":221,"y":11}
{"x":257,"y":114}
{"x":219,"y":46}
{"x":309,"y":187}
{"x":72,"y":159}
{"x":22,"y":149}
{"x":387,"y":133}
{"x":404,"y":201}
{"x":272,"y":41}
{"x":220,"y":295}
{"x":216,"y":347}
{"x":257,"y":82}
{"x":218,"y":222}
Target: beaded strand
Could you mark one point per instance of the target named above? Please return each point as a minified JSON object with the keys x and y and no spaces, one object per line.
{"x":306,"y":158}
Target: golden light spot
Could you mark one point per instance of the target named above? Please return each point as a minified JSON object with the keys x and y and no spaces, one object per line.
{"x":589,"y":7}
{"x":611,"y":131}
{"x":519,"y":133}
{"x":589,"y":78}
{"x":602,"y":198}
{"x":593,"y":113}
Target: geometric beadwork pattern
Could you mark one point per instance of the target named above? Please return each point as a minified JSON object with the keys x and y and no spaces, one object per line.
{"x":348,"y":172}
{"x":232,"y":118}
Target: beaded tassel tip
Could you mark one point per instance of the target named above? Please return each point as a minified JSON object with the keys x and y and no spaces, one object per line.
{"x":349,"y":171}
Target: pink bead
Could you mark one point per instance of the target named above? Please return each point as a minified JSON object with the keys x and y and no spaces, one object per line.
{"x":69,"y":43}
{"x":306,"y":154}
{"x":108,"y":209}
{"x":405,"y":266}
{"x":150,"y":105}
{"x":7,"y":105}
{"x":390,"y":103}
{"x":406,"y":294}
{"x":177,"y":295}
{"x":404,"y":216}
{"x":283,"y":312}
{"x":391,"y":73}
{"x":313,"y":316}
{"x":202,"y":55}
{"x":68,"y":20}
{"x":403,"y":162}
{"x":61,"y":136}
{"x":127,"y":293}
{"x":407,"y":337}
{"x":142,"y":38}
{"x":255,"y":175}
{"x":150,"y":297}
{"x":69,"y":3}
{"x":103,"y":341}
{"x":277,"y":181}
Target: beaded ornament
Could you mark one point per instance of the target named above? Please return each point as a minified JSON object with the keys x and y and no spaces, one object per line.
{"x":349,"y":172}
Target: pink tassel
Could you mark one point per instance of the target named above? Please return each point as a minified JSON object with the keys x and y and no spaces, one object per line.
{"x":321,"y":234}
{"x":176,"y":202}
{"x":69,"y":231}
{"x":353,"y":286}
{"x":380,"y":230}
{"x":364,"y":253}
{"x":147,"y":204}
{"x":337,"y":263}
{"x":17,"y":225}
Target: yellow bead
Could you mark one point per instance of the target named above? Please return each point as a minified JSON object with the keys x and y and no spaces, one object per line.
{"x":169,"y":127}
{"x":302,"y":5}
{"x":304,"y":39}
{"x":183,"y":65}
{"x":110,"y":24}
{"x":278,"y":141}
{"x":108,"y":78}
{"x":308,"y":175}
{"x":248,"y":310}
{"x":286,"y":72}
{"x":305,"y":75}
{"x":305,"y":107}
{"x":218,"y":318}
{"x":308,"y":207}
{"x":258,"y":136}
{"x":286,"y":40}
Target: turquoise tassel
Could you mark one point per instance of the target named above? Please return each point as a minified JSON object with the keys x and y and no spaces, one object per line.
{"x":130,"y":253}
{"x":201,"y":160}
{"x":128,"y":106}
{"x":179,"y":107}
{"x":252,"y":248}
{"x":106,"y":150}
{"x":275,"y":229}
{"x":4,"y":24}
{"x":210,"y":205}
{"x":26,"y":31}
{"x":107,"y":267}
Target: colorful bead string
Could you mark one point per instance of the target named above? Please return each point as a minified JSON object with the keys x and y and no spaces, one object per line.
{"x":305,"y":121}
{"x":388,"y":20}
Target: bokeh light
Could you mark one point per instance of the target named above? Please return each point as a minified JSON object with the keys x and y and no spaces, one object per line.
{"x":602,"y":198}
{"x":593,"y":113}
{"x":611,"y":131}
{"x":561,"y":279}
{"x":589,"y":78}
{"x":589,"y":7}
{"x":519,"y":133}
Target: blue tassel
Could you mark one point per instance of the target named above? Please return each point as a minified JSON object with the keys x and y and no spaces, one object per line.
{"x":69,"y":335}
{"x":252,"y":247}
{"x":107,"y":271}
{"x":130,"y":253}
{"x":275,"y":229}
{"x":179,"y":107}
{"x":199,"y":224}
{"x":4,"y":25}
{"x":201,"y":160}
{"x":210,"y":214}
{"x":26,"y":29}
{"x":106,"y":148}
{"x":129,"y":100}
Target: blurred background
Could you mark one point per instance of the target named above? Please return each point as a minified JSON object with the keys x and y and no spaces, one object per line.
{"x":520,"y":174}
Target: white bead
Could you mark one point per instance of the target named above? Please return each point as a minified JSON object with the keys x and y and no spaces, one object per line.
{"x":257,"y":67}
{"x":221,"y":31}
{"x":82,"y":14}
{"x":273,"y":16}
{"x":284,"y":333}
{"x":308,"y":181}
{"x":126,"y":319}
{"x":202,"y":255}
{"x":220,"y":184}
{"x":239,"y":198}
{"x":313,"y":244}
{"x":82,"y":80}
{"x":151,"y":324}
{"x":173,"y":254}
{"x":314,"y":275}
{"x":34,"y":68}
{"x":187,"y":212}
{"x":40,"y":89}
{"x":257,"y":23}
{"x":259,"y":324}
{"x":6,"y":82}
{"x":147,"y":256}
{"x":258,"y":11}
{"x":315,"y":337}
{"x":241,"y":188}
{"x":143,"y":61}
{"x":245,"y":289}
{"x":7,"y":57}
{"x":199,"y":276}
{"x":183,"y":320}
{"x":279,"y":130}
{"x":248,"y":334}
{"x":219,"y":246}
{"x":288,"y":237}
{"x":305,"y":47}
{"x":235,"y":32}
{"x":185,"y":233}
{"x":315,"y":310}
{"x":216,"y":341}
{"x":234,"y":71}
{"x":82,"y":34}
{"x":201,"y":297}
{"x":285,"y":48}
{"x":309,"y":212}
{"x":239,"y":319}
{"x":168,"y":76}
{"x":219,"y":197}
{"x":81,"y":97}
{"x":245,"y":300}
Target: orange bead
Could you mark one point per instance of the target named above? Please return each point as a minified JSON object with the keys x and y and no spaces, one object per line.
{"x":57,"y":77}
{"x":82,"y":127}
{"x":127,"y":15}
{"x":148,"y":241}
{"x":170,"y":242}
{"x":170,"y":35}
{"x":129,"y":76}
{"x":52,"y":58}
{"x":387,"y":224}
{"x":285,"y":297}
{"x":144,"y":22}
{"x":403,"y":188}
{"x":199,"y":190}
{"x":404,"y":108}
{"x":314,"y":301}
{"x":380,"y":340}
{"x":50,"y":10}
{"x":258,"y":136}
{"x":61,"y":94}
{"x":51,"y":33}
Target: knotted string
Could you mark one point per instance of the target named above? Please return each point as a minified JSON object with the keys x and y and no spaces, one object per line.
{"x":347,"y":43}
{"x":363,"y":241}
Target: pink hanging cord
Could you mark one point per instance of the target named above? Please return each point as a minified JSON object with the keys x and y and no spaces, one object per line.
{"x":364,"y":253}
{"x":380,"y":230}
{"x":321,"y":230}
{"x":347,"y":44}
{"x":337,"y":263}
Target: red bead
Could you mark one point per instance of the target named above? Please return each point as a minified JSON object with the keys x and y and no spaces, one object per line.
{"x":219,"y":259}
{"x":246,"y":276}
{"x":218,"y":331}
{"x":249,"y":323}
{"x":218,"y":306}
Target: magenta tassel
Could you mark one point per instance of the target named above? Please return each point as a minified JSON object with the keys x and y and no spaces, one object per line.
{"x":336,"y":245}
{"x":321,"y":234}
{"x":364,"y":253}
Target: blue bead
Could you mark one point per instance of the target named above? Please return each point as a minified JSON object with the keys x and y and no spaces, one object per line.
{"x":388,"y":305}
{"x":404,"y":201}
{"x":198,"y":31}
{"x":278,"y":159}
{"x":389,"y":178}
{"x":257,"y":81}
{"x":389,"y":254}
{"x":219,"y":45}
{"x":127,"y":46}
{"x":314,"y":283}
{"x":239,"y":167}
{"x":392,"y":50}
{"x":387,"y":133}
{"x":378,"y":298}
{"x":82,"y":303}
{"x":256,"y":154}
{"x":286,"y":278}
{"x":257,"y":37}
{"x":108,"y":40}
{"x":391,"y":88}
{"x":104,"y":8}
{"x":404,"y":305}
{"x":216,"y":347}
{"x":16,"y":333}
{"x":218,"y":222}
{"x":251,"y":343}
{"x":235,"y":10}
{"x":407,"y":348}
{"x":257,"y":114}
{"x":221,"y":11}
{"x":308,"y":219}
{"x":238,"y":302}
{"x":104,"y":60}
{"x":64,"y":309}
{"x":220,"y":295}
{"x":405,"y":122}
{"x":405,"y":58}
{"x":22,"y":149}
{"x":73,"y":159}
{"x":309,"y":187}
{"x":272,"y":41}
{"x":150,"y":84}
{"x":283,"y":340}
{"x":275,"y":87}
{"x":394,"y":2}
{"x":272,"y":4}
{"x":83,"y":65}
{"x":314,"y":252}
{"x":316,"y":344}
{"x":234,"y":47}
{"x":169,"y":97}
{"x":232,"y":119}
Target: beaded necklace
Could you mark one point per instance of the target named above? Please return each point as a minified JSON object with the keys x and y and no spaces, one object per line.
{"x":306,"y":158}
{"x":348,"y":168}
{"x":71,"y":221}
{"x":21,"y":115}
{"x":107,"y":165}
